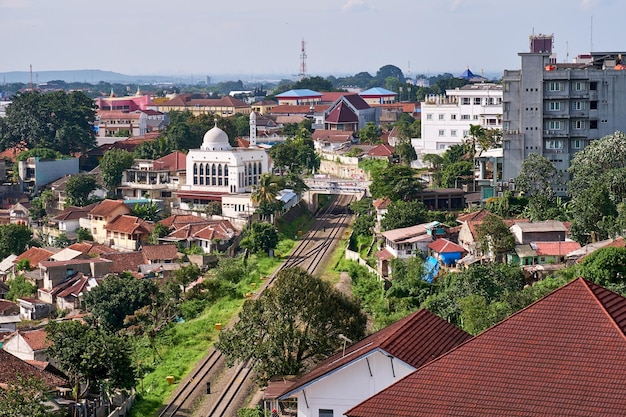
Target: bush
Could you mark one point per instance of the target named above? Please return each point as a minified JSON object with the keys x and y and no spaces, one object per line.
{"x":192,"y":308}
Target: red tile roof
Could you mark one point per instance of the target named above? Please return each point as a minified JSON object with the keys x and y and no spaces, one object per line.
{"x":333,"y":136}
{"x":382,"y":150}
{"x":342,"y":114}
{"x":34,"y":255}
{"x":178,"y":220}
{"x":91,"y":248}
{"x":415,"y":340}
{"x":106,"y":207}
{"x":445,"y":246}
{"x":563,"y":355}
{"x":126,"y":261}
{"x":11,"y":366}
{"x":36,"y":339}
{"x":210,"y":230}
{"x":74,"y":213}
{"x":555,"y":248}
{"x":176,"y":161}
{"x":381,"y":203}
{"x":129,"y":224}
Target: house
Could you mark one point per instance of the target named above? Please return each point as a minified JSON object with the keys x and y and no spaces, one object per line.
{"x":6,"y":271}
{"x":362,"y":369}
{"x":102,"y":214}
{"x":154,"y":179}
{"x":127,"y":232}
{"x":381,"y":205}
{"x":11,"y":366}
{"x":331,"y":140}
{"x":200,"y":104}
{"x":542,"y":253}
{"x":383,"y":151}
{"x":68,"y":294}
{"x":378,"y":95}
{"x":117,"y":125}
{"x":445,"y":251}
{"x":545,"y":231}
{"x":209,"y":235}
{"x":578,"y":255}
{"x":9,"y":316}
{"x":56,"y":272}
{"x":91,"y":249}
{"x":406,"y":242}
{"x":66,"y":222}
{"x":156,"y":254}
{"x":19,"y":214}
{"x":28,"y":345}
{"x":349,"y":113}
{"x":563,"y":355}
{"x":299,"y":97}
{"x":125,"y":261}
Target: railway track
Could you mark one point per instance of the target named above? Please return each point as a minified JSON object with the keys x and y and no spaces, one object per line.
{"x":309,"y":254}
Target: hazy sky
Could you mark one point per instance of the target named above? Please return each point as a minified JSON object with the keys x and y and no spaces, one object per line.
{"x":176,"y":37}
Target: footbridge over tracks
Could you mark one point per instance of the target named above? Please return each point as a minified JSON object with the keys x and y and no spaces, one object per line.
{"x":318,"y":186}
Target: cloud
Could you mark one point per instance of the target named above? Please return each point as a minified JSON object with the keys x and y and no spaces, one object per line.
{"x":355,"y":5}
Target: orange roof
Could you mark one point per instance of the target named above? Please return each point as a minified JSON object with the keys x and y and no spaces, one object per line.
{"x":125,"y":261}
{"x":445,"y":246}
{"x":129,"y":224}
{"x":415,"y":340}
{"x":12,"y":366}
{"x":175,"y":161}
{"x":381,"y":203}
{"x":91,"y":248}
{"x":36,"y":339}
{"x":564,"y":355}
{"x":555,"y":248}
{"x":177,"y":220}
{"x":107,"y":207}
{"x":382,"y":150}
{"x":160,"y":252}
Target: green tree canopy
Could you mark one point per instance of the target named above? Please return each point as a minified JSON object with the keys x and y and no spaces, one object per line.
{"x":259,"y":237}
{"x":296,"y":321}
{"x":398,"y":182}
{"x":19,"y":287}
{"x":56,"y":120}
{"x":536,"y":176}
{"x":494,"y":235}
{"x":112,"y":166}
{"x":13,"y":239}
{"x":25,"y":396}
{"x":78,"y":189}
{"x":403,"y":214}
{"x":90,"y":356}
{"x":118,"y":296}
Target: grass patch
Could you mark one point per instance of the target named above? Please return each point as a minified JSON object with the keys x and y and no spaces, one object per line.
{"x":330,"y":272}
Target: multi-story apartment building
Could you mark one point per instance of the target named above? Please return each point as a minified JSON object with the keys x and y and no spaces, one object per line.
{"x":555,"y":109}
{"x":446,"y":119}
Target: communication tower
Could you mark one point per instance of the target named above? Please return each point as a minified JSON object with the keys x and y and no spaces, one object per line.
{"x":302,"y":73}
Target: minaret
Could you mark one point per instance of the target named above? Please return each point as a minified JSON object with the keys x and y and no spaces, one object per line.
{"x":252,"y":129}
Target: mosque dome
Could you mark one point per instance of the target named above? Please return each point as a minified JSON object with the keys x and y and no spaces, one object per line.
{"x":215,"y":139}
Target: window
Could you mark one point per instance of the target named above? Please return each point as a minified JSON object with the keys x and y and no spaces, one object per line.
{"x":578,"y":105}
{"x":465,"y":133}
{"x":579,"y":86}
{"x":554,"y":125}
{"x":453,"y":117}
{"x":441,"y":146}
{"x":593,"y":105}
{"x":555,"y":144}
{"x":466,"y":101}
{"x":475,"y":117}
{"x":465,"y":117}
{"x":429,"y":116}
{"x":441,"y":117}
{"x":593,"y":124}
{"x":593,"y":85}
{"x":442,"y":132}
{"x":577,"y":144}
{"x":554,"y":86}
{"x":325,"y":413}
{"x":578,"y":124}
{"x":554,"y":106}
{"x":453,"y":133}
{"x":490,"y":101}
{"x":477,"y":101}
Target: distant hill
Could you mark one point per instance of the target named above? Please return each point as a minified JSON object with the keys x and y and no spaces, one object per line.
{"x":90,"y":76}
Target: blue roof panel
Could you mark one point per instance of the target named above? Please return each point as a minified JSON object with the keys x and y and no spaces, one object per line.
{"x":305,"y":92}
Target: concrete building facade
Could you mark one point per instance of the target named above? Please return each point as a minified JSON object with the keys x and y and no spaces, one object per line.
{"x":555,"y":109}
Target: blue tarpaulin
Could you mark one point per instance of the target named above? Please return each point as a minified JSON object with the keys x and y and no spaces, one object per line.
{"x":431,"y":269}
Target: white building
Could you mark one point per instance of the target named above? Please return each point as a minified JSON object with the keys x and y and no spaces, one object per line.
{"x":218,"y":169}
{"x":446,"y":119}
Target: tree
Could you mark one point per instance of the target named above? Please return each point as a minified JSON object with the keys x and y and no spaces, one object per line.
{"x":214,"y":208}
{"x":19,"y":287}
{"x":370,"y":133}
{"x":40,"y":205}
{"x":78,"y":189}
{"x":316,"y":83}
{"x":186,"y":275}
{"x":13,"y":239}
{"x":159,"y":231}
{"x":259,"y":237}
{"x":406,"y":152}
{"x":118,"y":296}
{"x":387,"y":71}
{"x":25,"y":396}
{"x":297,"y":320}
{"x":434,"y":160}
{"x":403,"y":214}
{"x":83,"y":233}
{"x":150,"y":211}
{"x":536,"y":176}
{"x":61,"y":241}
{"x":606,"y":267}
{"x":90,"y":356}
{"x":265,"y":191}
{"x":495,"y":236}
{"x":397,"y":182}
{"x":112,"y":165}
{"x":57,"y":120}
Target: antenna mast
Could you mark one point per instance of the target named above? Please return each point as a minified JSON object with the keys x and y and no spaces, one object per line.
{"x":302,"y":73}
{"x":31,"y":77}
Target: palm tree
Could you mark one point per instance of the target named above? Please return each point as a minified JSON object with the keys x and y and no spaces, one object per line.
{"x":265,"y":191}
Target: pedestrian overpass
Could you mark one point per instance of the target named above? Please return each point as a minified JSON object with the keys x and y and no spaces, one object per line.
{"x":317,"y":186}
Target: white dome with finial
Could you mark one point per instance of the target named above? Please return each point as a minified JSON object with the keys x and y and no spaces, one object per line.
{"x":215,"y":139}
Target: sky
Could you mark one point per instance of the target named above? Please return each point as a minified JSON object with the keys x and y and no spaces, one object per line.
{"x":254,"y":38}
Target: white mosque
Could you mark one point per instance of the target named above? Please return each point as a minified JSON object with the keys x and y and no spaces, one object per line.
{"x":219,"y":172}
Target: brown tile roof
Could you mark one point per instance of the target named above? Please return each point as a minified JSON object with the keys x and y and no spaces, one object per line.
{"x":48,"y":264}
{"x":106,"y":207}
{"x":11,"y":366}
{"x":129,"y":224}
{"x":126,"y":261}
{"x":178,"y":220}
{"x":160,"y":252}
{"x":544,"y":226}
{"x":342,"y":114}
{"x":91,"y":248}
{"x":333,"y":136}
{"x":210,"y":230}
{"x":478,"y":215}
{"x":381,"y":203}
{"x":415,"y":340}
{"x":563,"y":355}
{"x":445,"y":246}
{"x":117,"y":114}
{"x":7,"y":307}
{"x":34,"y":255}
{"x":75,"y":213}
{"x":72,"y":286}
{"x":36,"y":339}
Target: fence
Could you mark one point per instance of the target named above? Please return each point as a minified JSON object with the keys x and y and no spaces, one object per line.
{"x":123,"y":408}
{"x":355,"y":256}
